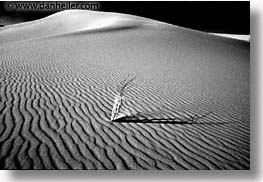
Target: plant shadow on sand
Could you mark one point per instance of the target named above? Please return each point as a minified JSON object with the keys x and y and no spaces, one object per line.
{"x":190,"y":120}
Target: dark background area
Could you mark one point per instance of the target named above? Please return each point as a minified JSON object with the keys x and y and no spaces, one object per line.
{"x":219,"y":17}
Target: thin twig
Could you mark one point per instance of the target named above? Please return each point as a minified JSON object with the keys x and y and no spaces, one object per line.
{"x":118,"y":101}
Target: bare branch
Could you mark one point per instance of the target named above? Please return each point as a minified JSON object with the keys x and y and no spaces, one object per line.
{"x":123,"y":87}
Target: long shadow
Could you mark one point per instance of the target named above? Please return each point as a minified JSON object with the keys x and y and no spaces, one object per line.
{"x":139,"y":118}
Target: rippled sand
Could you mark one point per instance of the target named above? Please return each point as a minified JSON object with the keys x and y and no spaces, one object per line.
{"x":58,"y":76}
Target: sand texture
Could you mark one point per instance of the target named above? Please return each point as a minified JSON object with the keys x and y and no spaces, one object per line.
{"x":189,"y":107}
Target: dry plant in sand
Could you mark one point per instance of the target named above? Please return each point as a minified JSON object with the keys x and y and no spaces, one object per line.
{"x":122,"y":88}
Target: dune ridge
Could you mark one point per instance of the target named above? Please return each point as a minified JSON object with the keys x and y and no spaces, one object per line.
{"x":71,"y":21}
{"x":79,"y":21}
{"x":56,"y":97}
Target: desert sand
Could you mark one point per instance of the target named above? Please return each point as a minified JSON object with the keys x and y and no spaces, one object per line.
{"x":234,"y":36}
{"x":189,"y":107}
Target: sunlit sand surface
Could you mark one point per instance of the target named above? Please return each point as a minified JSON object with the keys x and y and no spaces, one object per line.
{"x":188,"y":109}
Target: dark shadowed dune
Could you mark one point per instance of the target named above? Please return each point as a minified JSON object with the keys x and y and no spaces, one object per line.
{"x":189,"y":108}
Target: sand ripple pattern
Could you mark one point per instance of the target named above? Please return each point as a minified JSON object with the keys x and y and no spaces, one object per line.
{"x":55,"y":105}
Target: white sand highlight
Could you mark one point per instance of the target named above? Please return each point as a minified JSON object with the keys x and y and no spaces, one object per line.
{"x":234,"y":36}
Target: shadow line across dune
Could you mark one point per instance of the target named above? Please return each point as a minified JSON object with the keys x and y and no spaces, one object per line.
{"x":110,"y":29}
{"x":140,"y":118}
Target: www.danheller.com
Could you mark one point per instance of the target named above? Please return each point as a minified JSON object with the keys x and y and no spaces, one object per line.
{"x":46,"y":5}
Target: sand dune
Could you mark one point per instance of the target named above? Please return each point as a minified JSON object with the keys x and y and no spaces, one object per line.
{"x":190,"y":100}
{"x":71,"y":21}
{"x":234,"y":36}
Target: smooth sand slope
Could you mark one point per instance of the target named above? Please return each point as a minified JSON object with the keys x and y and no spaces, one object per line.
{"x":234,"y":36}
{"x":58,"y":78}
